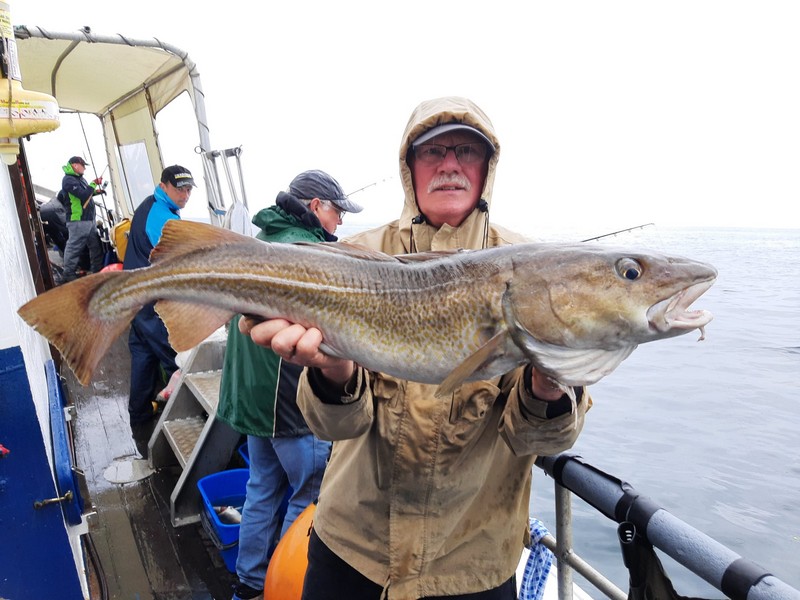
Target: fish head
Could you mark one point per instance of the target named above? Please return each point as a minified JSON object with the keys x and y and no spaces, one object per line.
{"x":599,"y":297}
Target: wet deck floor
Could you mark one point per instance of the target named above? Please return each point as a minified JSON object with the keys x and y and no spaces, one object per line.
{"x":141,"y":555}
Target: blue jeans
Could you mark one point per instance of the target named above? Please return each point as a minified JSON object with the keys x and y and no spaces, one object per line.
{"x":275,"y":464}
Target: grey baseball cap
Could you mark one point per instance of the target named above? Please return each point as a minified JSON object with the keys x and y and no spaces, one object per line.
{"x":318,"y":184}
{"x":450,"y":127}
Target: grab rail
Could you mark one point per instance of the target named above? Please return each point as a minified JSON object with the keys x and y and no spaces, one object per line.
{"x":736,"y":577}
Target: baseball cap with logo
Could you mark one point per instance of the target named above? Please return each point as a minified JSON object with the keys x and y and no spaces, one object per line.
{"x":178,"y":176}
{"x":78,"y":160}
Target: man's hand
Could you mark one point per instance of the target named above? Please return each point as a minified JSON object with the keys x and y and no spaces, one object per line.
{"x":98,"y":181}
{"x":545,"y":387}
{"x":298,"y":345}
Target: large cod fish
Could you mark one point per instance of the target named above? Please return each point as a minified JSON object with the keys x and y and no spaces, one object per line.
{"x":575,"y":311}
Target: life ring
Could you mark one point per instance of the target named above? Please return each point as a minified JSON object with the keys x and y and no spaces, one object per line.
{"x":287,"y":567}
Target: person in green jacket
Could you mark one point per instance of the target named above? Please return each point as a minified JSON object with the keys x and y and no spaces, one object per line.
{"x":258,"y":392}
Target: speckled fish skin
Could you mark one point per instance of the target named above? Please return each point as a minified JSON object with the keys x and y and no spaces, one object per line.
{"x":575,"y":311}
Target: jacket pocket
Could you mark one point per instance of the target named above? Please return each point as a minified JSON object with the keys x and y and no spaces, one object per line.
{"x":388,"y":393}
{"x":471,"y":402}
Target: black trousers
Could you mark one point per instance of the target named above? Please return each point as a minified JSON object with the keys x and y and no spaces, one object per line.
{"x":148,"y":342}
{"x":328,"y":577}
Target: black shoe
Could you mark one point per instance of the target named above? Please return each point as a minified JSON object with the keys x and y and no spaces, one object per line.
{"x":141,"y":432}
{"x":245,"y":592}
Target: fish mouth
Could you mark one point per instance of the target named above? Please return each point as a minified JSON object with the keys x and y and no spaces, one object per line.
{"x":673,"y":313}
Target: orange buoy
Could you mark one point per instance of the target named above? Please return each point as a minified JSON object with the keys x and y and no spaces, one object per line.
{"x":287,"y":567}
{"x":112,"y":267}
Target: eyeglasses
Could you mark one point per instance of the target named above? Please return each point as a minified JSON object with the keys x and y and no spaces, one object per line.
{"x":466,"y":154}
{"x":332,"y":206}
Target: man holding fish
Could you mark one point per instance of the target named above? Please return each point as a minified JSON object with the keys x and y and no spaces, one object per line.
{"x":426,"y":496}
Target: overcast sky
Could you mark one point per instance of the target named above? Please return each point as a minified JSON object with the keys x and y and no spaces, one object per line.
{"x":609,"y":114}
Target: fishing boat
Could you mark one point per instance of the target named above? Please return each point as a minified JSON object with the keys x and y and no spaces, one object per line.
{"x":84,"y":513}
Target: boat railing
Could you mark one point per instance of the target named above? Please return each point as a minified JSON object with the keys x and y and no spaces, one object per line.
{"x":651,"y":525}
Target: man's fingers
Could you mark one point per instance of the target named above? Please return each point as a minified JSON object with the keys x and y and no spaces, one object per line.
{"x":308,"y":344}
{"x":261,"y":331}
{"x":285,"y":340}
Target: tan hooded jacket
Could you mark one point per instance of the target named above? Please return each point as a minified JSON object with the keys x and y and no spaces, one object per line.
{"x":423,"y":495}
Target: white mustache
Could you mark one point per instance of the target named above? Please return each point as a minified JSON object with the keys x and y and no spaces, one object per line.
{"x":449,"y":180}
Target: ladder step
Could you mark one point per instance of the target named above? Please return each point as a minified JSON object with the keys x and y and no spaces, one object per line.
{"x":182,"y":435}
{"x":205,"y":387}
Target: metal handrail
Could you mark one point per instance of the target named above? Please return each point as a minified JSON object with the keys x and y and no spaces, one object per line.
{"x":718,"y":565}
{"x":568,"y":559}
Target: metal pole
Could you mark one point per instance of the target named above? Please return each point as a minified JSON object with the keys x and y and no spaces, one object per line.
{"x":564,"y":541}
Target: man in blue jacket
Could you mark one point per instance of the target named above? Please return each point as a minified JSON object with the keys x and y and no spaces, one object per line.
{"x":77,"y":197}
{"x":152,"y":358}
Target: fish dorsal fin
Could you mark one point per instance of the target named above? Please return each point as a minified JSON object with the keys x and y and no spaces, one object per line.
{"x":350,"y":249}
{"x":424,"y":256}
{"x":474,"y":362}
{"x":365,"y":253}
{"x":189,"y":324}
{"x":180,"y":237}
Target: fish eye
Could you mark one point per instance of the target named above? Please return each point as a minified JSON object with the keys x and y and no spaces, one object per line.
{"x":629,"y":269}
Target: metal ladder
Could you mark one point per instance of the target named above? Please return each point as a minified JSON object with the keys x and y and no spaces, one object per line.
{"x":188,"y":435}
{"x":232,"y":212}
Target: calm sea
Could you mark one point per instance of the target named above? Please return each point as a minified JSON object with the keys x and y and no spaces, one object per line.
{"x":708,"y":430}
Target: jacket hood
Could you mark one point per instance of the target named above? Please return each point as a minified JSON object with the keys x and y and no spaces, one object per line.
{"x":288,"y":212}
{"x":69,"y":170}
{"x":430,"y":113}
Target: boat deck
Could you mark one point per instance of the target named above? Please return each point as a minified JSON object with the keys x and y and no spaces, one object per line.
{"x":139,"y":554}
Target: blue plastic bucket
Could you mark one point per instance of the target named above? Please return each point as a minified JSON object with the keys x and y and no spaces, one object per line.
{"x":226,"y":488}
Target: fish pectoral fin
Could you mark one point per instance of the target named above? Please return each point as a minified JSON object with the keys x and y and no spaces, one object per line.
{"x":474,"y":362}
{"x":189,"y":324}
{"x":577,"y":367}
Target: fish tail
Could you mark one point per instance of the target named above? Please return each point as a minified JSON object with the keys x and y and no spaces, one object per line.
{"x":62,"y":315}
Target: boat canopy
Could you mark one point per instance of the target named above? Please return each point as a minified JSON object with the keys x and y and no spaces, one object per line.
{"x":139,"y":78}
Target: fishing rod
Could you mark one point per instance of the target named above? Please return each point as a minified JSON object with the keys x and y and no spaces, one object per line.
{"x":369,"y":185}
{"x":591,"y":239}
{"x":106,"y":214}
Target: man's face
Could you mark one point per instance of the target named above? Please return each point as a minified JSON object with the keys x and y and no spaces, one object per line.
{"x":179,"y":195}
{"x":78,"y":168}
{"x":448,"y":191}
{"x":329,"y":215}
